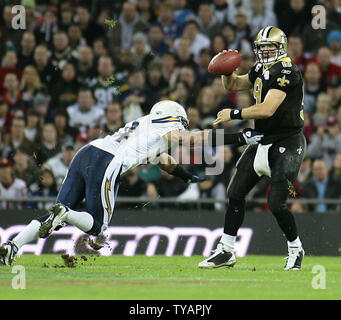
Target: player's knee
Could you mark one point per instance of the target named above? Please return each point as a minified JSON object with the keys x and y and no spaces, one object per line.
{"x":275,"y":204}
{"x":236,"y":204}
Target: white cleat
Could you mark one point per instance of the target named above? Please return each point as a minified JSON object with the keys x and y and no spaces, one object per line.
{"x":8,"y":252}
{"x":54,"y":220}
{"x":219,"y":258}
{"x":294,"y":258}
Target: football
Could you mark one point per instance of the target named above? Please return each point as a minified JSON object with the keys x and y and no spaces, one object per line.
{"x":225,"y":62}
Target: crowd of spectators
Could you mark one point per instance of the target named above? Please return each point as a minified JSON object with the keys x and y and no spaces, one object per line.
{"x":82,"y":69}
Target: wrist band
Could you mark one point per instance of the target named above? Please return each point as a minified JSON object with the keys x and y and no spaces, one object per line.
{"x":236,"y":114}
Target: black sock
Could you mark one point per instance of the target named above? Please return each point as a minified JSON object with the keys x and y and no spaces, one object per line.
{"x":234,"y":216}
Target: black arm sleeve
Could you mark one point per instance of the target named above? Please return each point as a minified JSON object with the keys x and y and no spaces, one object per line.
{"x":221,"y":137}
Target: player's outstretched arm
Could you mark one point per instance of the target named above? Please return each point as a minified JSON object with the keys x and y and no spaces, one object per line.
{"x":263,"y":110}
{"x":212,"y":137}
{"x":234,"y":82}
{"x":169,"y":164}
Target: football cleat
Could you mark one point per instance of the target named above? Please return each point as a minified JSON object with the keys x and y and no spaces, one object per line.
{"x":219,"y":258}
{"x":54,"y":221}
{"x":294,"y":258}
{"x":8,"y":252}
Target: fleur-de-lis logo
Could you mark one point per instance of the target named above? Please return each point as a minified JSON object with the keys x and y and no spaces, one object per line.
{"x":299,"y":150}
{"x":283,"y":81}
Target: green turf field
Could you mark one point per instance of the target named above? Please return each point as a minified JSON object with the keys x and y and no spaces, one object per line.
{"x":174,"y":278}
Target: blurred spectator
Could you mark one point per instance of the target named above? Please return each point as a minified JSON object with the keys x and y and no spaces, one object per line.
{"x":66,"y":16}
{"x":90,"y":28}
{"x":41,"y":105}
{"x":207,"y":104}
{"x":293,"y":15}
{"x":229,"y":32}
{"x":336,"y":169}
{"x":49,"y":145}
{"x":132,"y":186}
{"x":220,"y":9}
{"x":187,"y":74}
{"x":62,"y":52}
{"x":218,"y":44}
{"x":10,"y":186}
{"x":212,"y":189}
{"x":146,"y":11}
{"x":65,"y":91}
{"x":42,"y":63}
{"x":321,"y":186}
{"x":84,"y":113}
{"x":85,"y":65}
{"x":5,"y":116}
{"x":16,"y":138}
{"x":32,"y":130}
{"x":204,"y":77}
{"x":334,"y":43}
{"x":156,"y":40}
{"x":121,"y":36}
{"x":184,"y":56}
{"x":24,"y":167}
{"x":323,"y":110}
{"x":59,"y":163}
{"x":113,"y":118}
{"x":49,"y":26}
{"x":181,"y":12}
{"x":27,"y":44}
{"x":305,"y":170}
{"x":169,"y":26}
{"x":198,"y":39}
{"x":330,"y":71}
{"x":100,"y":47}
{"x":105,"y":88}
{"x":31,"y":85}
{"x":181,"y":94}
{"x":228,"y":166}
{"x":296,"y":51}
{"x":155,"y":80}
{"x":169,"y":67}
{"x":312,"y":86}
{"x":75,"y":35}
{"x":261,"y":16}
{"x":13,"y":94}
{"x":138,"y":98}
{"x":9,"y":64}
{"x":326,"y":143}
{"x":334,"y":91}
{"x":193,"y":118}
{"x":45,"y":188}
{"x":208,"y":22}
{"x":65,"y":133}
{"x":243,"y":29}
{"x":141,"y":51}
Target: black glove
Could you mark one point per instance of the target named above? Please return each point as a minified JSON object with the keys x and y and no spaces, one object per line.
{"x":251,"y":136}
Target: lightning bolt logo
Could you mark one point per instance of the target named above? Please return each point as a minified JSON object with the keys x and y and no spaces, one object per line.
{"x":107,"y":201}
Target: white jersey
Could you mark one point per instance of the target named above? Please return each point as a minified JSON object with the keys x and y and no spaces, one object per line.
{"x":140,"y":141}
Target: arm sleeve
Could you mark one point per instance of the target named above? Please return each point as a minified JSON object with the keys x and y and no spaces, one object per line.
{"x":220,"y":137}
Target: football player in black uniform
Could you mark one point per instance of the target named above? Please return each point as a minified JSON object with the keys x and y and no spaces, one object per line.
{"x":277,"y":86}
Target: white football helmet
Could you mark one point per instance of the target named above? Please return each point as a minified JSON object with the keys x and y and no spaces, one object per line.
{"x":168,"y":108}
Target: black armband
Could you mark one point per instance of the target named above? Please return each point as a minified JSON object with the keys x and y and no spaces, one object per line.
{"x":221,"y":137}
{"x":182,"y":173}
{"x":236,"y":114}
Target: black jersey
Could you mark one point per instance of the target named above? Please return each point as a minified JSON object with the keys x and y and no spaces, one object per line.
{"x":288,"y":118}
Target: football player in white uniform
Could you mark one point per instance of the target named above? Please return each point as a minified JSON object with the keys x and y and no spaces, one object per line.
{"x":96,"y":168}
